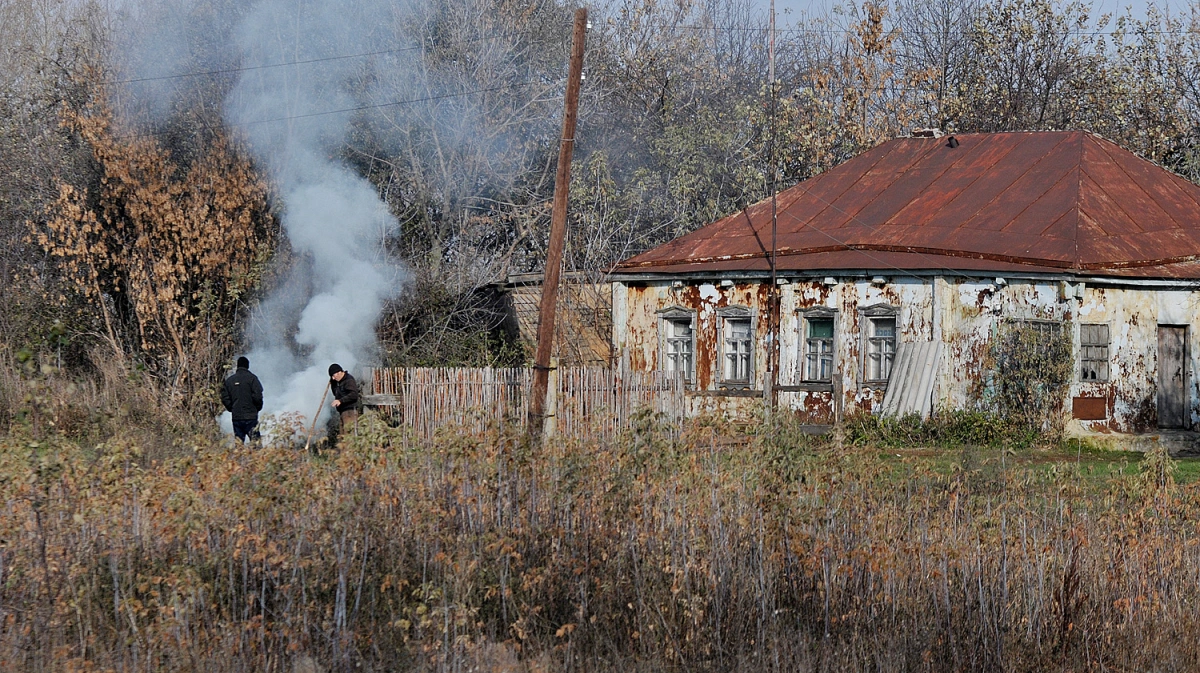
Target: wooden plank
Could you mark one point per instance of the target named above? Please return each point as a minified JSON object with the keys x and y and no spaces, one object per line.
{"x":593,"y":401}
{"x":1171,"y":393}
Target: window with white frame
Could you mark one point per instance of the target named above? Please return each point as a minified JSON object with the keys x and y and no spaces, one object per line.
{"x":677,"y":339}
{"x":881,"y":348}
{"x":817,"y":346}
{"x":1093,"y":352}
{"x":737,"y":345}
{"x":878,"y":327}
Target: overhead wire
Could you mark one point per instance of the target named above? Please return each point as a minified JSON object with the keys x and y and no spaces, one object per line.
{"x":225,"y":71}
{"x":843,"y":31}
{"x":357,"y":108}
{"x":763,"y":29}
{"x":266,"y":66}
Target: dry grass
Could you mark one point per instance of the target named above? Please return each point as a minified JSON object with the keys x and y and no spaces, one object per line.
{"x":116,"y":398}
{"x":647,"y":554}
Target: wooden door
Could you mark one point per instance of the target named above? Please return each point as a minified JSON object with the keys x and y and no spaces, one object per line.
{"x":1172,"y":398}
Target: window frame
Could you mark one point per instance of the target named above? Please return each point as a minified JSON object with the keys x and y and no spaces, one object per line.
{"x":725,"y":315}
{"x":1082,"y":360}
{"x":867,"y":315}
{"x":806,"y":317}
{"x":1049,"y":325}
{"x":667,"y":317}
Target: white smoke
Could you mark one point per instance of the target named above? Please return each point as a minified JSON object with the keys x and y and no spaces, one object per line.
{"x":333,"y":217}
{"x":325,"y":312}
{"x":444,"y":90}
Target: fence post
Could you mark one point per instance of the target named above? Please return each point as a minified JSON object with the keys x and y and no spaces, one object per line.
{"x":550,"y":419}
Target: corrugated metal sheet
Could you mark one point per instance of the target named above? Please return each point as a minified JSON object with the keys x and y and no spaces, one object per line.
{"x":910,"y":387}
{"x":1033,"y":200}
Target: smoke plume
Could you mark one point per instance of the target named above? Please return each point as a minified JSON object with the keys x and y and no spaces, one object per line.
{"x":295,"y":118}
{"x":334,"y":218}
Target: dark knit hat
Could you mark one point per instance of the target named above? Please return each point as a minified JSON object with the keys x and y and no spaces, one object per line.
{"x":334,"y":368}
{"x":243,"y":362}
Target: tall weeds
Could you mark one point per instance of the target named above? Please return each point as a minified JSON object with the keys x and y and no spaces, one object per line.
{"x":648,"y":553}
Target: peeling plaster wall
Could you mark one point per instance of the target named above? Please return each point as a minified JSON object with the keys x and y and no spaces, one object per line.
{"x":636,"y":332}
{"x":971,"y":311}
{"x":911,"y":296}
{"x":1133,"y":316}
{"x":965,"y":313}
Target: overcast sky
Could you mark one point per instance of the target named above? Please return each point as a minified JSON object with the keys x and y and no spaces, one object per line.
{"x":788,"y":10}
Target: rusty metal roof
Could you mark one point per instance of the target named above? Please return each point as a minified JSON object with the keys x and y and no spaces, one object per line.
{"x":1044,"y":201}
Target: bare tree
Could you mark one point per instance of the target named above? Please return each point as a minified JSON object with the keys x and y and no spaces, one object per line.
{"x":47,"y":48}
{"x":935,"y":50}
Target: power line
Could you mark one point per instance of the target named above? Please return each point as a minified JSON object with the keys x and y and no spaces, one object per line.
{"x":793,"y":29}
{"x":224,"y":71}
{"x":375,"y":106}
{"x":357,"y":108}
{"x":901,"y":33}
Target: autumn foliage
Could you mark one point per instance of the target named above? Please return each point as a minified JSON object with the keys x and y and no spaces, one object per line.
{"x":162,"y":251}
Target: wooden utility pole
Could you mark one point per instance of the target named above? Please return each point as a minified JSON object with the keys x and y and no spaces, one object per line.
{"x":558,"y":232}
{"x":772,"y":378}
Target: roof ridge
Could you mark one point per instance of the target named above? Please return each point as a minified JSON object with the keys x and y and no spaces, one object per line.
{"x":1000,"y":193}
{"x":1129,"y":178}
{"x":828,"y":203}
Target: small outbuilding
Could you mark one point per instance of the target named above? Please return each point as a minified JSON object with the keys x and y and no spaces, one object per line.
{"x":895,"y":270}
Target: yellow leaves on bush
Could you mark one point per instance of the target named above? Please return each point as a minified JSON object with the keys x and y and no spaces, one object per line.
{"x":172,"y":247}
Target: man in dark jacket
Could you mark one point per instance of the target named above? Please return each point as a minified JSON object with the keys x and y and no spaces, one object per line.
{"x":242,"y":396}
{"x":345,"y":394}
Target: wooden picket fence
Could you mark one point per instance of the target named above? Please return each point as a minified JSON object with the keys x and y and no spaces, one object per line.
{"x":582,"y":401}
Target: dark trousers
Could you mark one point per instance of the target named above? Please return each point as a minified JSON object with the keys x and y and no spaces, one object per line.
{"x":244,"y":429}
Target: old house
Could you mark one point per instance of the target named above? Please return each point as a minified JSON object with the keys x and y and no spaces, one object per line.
{"x":584,"y":324}
{"x":895,"y":269}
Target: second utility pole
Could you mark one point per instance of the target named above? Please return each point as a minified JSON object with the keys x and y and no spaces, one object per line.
{"x":558,"y":233}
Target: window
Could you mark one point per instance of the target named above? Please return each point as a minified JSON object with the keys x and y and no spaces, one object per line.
{"x":677,"y":339}
{"x":736,"y":345}
{"x":680,"y":353}
{"x":878,"y":332}
{"x":1045,"y":330}
{"x":881,"y":348}
{"x":739,"y":346}
{"x":1093,"y":352}
{"x":1044,"y":336}
{"x":818,"y":348}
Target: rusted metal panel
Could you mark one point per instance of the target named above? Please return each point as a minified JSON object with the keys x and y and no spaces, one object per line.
{"x":1089,"y":408}
{"x":867,"y":258}
{"x":1058,"y":200}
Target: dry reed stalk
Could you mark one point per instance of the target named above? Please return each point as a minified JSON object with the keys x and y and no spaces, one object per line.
{"x":705,"y":552}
